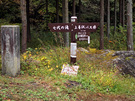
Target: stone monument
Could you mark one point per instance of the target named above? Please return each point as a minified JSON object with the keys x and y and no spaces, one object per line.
{"x":10,"y":49}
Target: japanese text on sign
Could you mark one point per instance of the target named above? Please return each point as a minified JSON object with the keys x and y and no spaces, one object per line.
{"x":73,"y":27}
{"x":64,"y":27}
{"x":85,"y":27}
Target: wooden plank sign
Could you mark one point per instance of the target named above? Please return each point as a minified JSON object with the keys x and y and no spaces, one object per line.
{"x":81,"y":28}
{"x":85,"y":27}
{"x":60,"y":27}
{"x":73,"y":27}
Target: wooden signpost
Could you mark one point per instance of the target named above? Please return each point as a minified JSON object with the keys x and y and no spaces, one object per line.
{"x":81,"y":28}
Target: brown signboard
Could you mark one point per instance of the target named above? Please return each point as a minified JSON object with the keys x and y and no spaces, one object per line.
{"x":81,"y":29}
{"x":73,"y":27}
{"x":85,"y":27}
{"x":60,"y":27}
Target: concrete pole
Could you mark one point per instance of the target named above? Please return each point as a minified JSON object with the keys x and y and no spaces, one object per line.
{"x":10,"y":50}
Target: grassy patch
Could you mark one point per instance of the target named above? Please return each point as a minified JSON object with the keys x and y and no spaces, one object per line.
{"x":40,"y":77}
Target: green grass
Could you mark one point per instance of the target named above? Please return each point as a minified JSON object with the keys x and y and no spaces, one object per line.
{"x":40,"y":78}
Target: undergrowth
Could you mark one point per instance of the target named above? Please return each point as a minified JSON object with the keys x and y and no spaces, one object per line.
{"x":96,"y":72}
{"x":43,"y":62}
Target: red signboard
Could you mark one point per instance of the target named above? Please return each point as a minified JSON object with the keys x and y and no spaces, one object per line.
{"x":73,"y":27}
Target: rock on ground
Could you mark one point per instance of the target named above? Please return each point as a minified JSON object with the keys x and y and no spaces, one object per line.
{"x":125,"y":62}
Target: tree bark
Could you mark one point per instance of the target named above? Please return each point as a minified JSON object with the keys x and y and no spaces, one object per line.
{"x":47,"y":14}
{"x":101,"y":24}
{"x":123,"y":12}
{"x":57,"y":11}
{"x":28,"y":21}
{"x":74,"y":13}
{"x":24,"y":25}
{"x":79,"y":15}
{"x":115,"y":16}
{"x":108,"y":19}
{"x":129,"y":26}
{"x":65,"y":20}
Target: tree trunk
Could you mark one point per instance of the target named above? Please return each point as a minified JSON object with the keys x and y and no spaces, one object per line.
{"x":129,"y":26}
{"x":115,"y":16}
{"x":79,"y":15}
{"x":28,"y":21}
{"x":65,"y":20}
{"x":47,"y":14}
{"x":74,"y":13}
{"x":24,"y":25}
{"x":121,"y":12}
{"x":108,"y":19}
{"x":57,"y":11}
{"x":101,"y":24}
{"x":46,"y":6}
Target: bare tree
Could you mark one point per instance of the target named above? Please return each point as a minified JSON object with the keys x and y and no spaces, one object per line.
{"x":79,"y":15}
{"x":57,"y":11}
{"x":65,"y":20}
{"x":129,"y":26}
{"x":74,"y":8}
{"x":28,"y":21}
{"x":24,"y":25}
{"x":108,"y":19}
{"x":115,"y":15}
{"x":122,"y":12}
{"x":101,"y":24}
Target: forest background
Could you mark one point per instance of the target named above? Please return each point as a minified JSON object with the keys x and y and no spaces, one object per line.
{"x":39,"y":13}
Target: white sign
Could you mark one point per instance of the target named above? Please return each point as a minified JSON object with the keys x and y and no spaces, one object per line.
{"x":69,"y":70}
{"x":88,"y":39}
{"x":73,"y":50}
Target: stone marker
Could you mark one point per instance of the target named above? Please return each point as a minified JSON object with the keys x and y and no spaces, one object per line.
{"x":10,"y":51}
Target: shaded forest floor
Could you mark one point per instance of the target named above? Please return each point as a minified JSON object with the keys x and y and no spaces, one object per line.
{"x":40,"y":80}
{"x":25,"y":88}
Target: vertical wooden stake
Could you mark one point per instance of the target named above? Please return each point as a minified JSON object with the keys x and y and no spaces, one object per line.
{"x":73,"y":47}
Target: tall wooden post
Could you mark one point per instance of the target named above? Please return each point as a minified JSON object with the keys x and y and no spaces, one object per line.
{"x":10,"y":49}
{"x":73,"y":47}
